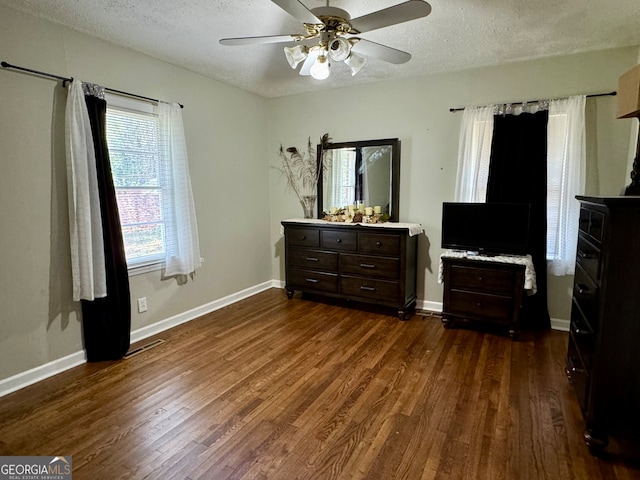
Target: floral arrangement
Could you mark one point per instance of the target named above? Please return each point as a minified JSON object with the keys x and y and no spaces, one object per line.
{"x":302,"y":171}
{"x":352,"y":215}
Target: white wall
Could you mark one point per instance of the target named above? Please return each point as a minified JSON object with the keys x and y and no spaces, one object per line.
{"x":417,"y":112}
{"x":226,"y":131}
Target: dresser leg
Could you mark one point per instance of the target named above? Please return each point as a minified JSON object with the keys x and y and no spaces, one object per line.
{"x":567,"y":372}
{"x":595,"y":442}
{"x":513,"y":333}
{"x":446,"y":322}
{"x":289,"y":293}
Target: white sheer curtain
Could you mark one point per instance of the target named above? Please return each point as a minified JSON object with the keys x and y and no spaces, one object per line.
{"x":565,"y":171}
{"x":474,"y":151}
{"x":181,"y":236}
{"x":85,"y":220}
{"x":566,"y":160}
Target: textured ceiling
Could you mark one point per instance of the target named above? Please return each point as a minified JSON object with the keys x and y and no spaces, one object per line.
{"x":458,"y":34}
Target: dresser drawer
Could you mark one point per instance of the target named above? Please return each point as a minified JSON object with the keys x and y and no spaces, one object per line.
{"x":307,"y":237}
{"x":379,"y":267}
{"x":369,"y":288}
{"x":310,"y":280}
{"x":592,"y":223}
{"x":491,"y":280}
{"x":480,"y":305}
{"x":583,"y":337}
{"x":578,"y":374}
{"x":585,"y":295}
{"x":339,"y":240}
{"x":313,"y":259}
{"x":381,"y":244}
{"x":589,"y":258}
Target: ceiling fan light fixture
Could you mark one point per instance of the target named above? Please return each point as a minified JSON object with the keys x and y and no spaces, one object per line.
{"x":320,"y":69}
{"x":355,"y":62}
{"x":339,"y":49}
{"x":296,"y":54}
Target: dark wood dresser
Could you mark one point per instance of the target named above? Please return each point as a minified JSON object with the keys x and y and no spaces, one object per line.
{"x":482,"y":291}
{"x":603,"y":355}
{"x":359,"y":263}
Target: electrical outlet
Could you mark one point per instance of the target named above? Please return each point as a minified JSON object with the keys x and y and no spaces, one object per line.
{"x":142,"y":304}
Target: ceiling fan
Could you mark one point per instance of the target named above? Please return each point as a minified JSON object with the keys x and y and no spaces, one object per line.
{"x":335,"y":30}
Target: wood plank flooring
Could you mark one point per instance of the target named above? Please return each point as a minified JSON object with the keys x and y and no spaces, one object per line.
{"x":274,"y":389}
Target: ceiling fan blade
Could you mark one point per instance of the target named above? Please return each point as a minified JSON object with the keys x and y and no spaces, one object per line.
{"x":391,"y":16}
{"x":309,"y":61}
{"x":258,"y":40}
{"x":382,"y":52}
{"x":298,"y":10}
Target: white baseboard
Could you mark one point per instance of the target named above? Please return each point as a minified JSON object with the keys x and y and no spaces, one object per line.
{"x":429,"y":305}
{"x":560,"y":324}
{"x":184,"y":317}
{"x":24,"y":379}
{"x":34,"y":375}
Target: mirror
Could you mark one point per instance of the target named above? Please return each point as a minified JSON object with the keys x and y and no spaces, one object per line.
{"x":365,"y":172}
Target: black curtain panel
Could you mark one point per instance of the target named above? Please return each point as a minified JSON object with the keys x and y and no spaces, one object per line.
{"x":106,"y":322}
{"x":518,"y":173}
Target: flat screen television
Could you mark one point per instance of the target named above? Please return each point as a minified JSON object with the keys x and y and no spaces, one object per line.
{"x":486,"y":228}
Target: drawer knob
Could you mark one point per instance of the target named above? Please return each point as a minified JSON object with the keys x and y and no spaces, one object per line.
{"x":311,"y":259}
{"x":573,"y":368}
{"x":582,"y":289}
{"x":367,"y":265}
{"x":339,"y":240}
{"x":580,"y":331}
{"x":480,"y":278}
{"x":379,"y":244}
{"x":303,"y":237}
{"x":312,"y":280}
{"x":368,"y":289}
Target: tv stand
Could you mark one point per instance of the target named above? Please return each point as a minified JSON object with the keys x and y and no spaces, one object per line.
{"x":485,"y":289}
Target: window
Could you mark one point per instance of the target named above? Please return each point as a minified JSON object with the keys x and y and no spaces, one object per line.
{"x":565,"y":172}
{"x":342,"y":187}
{"x":132,"y":137}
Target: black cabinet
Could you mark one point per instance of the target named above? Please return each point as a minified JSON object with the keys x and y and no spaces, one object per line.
{"x":603,"y":354}
{"x":482,"y":291}
{"x":352,"y":262}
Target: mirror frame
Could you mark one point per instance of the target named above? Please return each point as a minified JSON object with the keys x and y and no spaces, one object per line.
{"x":394,"y":194}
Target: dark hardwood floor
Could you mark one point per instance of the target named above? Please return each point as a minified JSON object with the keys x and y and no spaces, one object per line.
{"x":275,"y":389}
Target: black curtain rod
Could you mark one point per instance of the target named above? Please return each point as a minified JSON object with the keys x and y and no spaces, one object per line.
{"x":536,"y":101}
{"x":70,"y":79}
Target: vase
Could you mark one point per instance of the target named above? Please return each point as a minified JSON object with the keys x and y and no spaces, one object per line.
{"x":308,"y":203}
